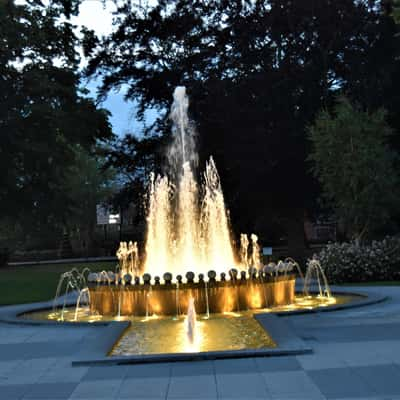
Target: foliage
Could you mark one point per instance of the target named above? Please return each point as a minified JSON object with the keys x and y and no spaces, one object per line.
{"x":257,"y":73}
{"x":392,"y":7}
{"x":43,"y":113}
{"x":351,"y":262}
{"x":396,"y":10}
{"x":355,"y":166}
{"x":134,"y":158}
{"x":87,"y":184}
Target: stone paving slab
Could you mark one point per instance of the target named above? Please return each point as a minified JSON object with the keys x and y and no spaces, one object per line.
{"x":102,"y":373}
{"x":185,"y":387}
{"x":341,"y":382}
{"x":275,"y":364}
{"x":156,"y":386}
{"x":151,"y":370}
{"x":357,"y":333}
{"x":383,"y":379}
{"x":291,"y":384}
{"x":41,"y":391}
{"x":105,"y":389}
{"x":250,"y":385}
{"x":63,"y":374}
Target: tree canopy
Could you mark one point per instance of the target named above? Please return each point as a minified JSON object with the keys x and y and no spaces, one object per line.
{"x":44,"y":114}
{"x":356,"y":166}
{"x":257,"y":74}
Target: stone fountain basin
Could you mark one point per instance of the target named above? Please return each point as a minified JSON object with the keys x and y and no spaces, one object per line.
{"x":210,"y":297}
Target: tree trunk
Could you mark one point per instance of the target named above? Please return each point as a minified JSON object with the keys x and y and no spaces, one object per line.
{"x":295,"y":234}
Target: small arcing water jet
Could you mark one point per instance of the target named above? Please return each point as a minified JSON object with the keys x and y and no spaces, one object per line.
{"x":315,"y":272}
{"x":84,"y":295}
{"x":71,"y":280}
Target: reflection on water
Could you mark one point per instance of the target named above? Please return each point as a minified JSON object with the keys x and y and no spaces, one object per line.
{"x":169,"y":335}
{"x":83,"y":315}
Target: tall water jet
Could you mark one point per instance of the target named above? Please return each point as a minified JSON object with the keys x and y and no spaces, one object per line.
{"x":187,"y":220}
{"x":187,"y":225}
{"x":214,"y":222}
{"x":158,"y":243}
{"x":244,"y":250}
{"x":133,"y":252}
{"x":183,"y":147}
{"x":255,"y":252}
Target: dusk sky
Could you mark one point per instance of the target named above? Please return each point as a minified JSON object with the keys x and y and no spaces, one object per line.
{"x":97,"y":15}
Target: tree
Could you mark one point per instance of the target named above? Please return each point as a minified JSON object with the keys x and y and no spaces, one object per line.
{"x":372,"y":77}
{"x":134,"y":158}
{"x":87,"y":185}
{"x":44,"y":115}
{"x":257,"y":73}
{"x":392,"y":7}
{"x":355,"y":165}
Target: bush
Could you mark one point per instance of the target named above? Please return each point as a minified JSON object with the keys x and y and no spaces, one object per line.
{"x":349,"y":262}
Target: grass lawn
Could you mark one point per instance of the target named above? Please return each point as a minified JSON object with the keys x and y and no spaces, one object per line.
{"x":37,"y":282}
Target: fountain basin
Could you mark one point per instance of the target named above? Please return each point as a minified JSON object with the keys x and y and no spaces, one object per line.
{"x":173,"y":299}
{"x":113,"y":339}
{"x":218,"y":332}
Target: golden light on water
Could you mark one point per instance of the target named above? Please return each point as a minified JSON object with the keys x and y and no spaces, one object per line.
{"x":219,"y":332}
{"x":189,"y":345}
{"x":84,"y":315}
{"x":232,"y":314}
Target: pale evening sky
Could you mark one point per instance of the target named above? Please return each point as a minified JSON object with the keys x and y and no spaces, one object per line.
{"x":97,"y":15}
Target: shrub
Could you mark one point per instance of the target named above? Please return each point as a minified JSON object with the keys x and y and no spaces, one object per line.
{"x":349,"y":262}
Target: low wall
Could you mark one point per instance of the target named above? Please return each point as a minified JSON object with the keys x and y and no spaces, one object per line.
{"x":173,"y":299}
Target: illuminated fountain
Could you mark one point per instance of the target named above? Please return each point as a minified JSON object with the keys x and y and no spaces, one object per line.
{"x":187,"y":223}
{"x":188,"y":235}
{"x":191,"y":290}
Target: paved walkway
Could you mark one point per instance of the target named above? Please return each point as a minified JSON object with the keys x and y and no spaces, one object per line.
{"x":356,"y":356}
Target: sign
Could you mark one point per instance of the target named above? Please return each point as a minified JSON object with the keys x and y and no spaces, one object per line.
{"x":104,"y":217}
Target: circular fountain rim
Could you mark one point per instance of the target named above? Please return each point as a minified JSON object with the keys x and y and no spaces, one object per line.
{"x":13,"y":313}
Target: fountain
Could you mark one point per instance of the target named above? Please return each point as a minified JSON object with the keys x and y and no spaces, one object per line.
{"x":189,"y":261}
{"x":188,"y":235}
{"x":190,"y":265}
{"x":190,"y":290}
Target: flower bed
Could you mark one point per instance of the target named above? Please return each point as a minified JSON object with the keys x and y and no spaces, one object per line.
{"x":349,"y":262}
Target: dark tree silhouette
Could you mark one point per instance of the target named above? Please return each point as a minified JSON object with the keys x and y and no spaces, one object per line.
{"x":44,"y":115}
